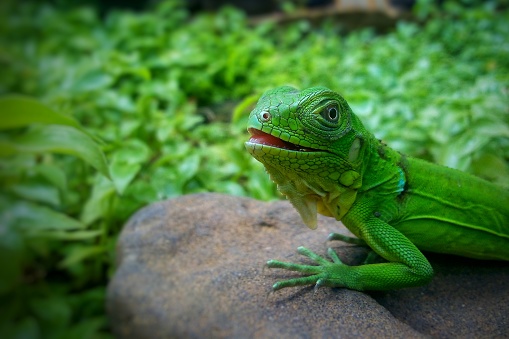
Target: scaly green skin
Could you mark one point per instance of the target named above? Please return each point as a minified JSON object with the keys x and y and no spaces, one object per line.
{"x":394,"y":204}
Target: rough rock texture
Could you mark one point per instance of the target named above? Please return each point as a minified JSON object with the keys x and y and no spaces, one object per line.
{"x":194,"y":267}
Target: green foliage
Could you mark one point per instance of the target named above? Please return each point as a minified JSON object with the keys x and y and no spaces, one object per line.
{"x":35,"y":218}
{"x":147,"y":90}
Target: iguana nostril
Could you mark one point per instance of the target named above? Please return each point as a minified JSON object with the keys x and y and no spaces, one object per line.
{"x":266,"y":116}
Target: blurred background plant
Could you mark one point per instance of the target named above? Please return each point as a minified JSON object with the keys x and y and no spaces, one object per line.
{"x":118,"y":109}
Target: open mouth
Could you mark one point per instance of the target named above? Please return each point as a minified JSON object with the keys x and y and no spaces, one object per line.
{"x":262,"y":138}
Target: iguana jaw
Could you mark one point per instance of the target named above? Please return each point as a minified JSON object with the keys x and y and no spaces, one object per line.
{"x":262,"y":138}
{"x":266,"y":148}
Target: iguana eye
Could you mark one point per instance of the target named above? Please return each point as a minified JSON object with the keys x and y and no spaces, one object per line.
{"x":331,"y":113}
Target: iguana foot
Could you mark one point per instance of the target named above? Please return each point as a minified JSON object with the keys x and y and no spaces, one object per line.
{"x":325,"y":274}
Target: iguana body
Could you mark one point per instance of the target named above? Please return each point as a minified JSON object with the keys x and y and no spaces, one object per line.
{"x":324,"y":160}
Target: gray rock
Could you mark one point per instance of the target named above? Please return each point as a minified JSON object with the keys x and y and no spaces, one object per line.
{"x":194,"y":267}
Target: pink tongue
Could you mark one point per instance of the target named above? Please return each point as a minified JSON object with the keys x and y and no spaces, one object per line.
{"x":259,"y":137}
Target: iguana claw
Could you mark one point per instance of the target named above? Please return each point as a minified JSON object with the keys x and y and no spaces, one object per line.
{"x":326,"y":273}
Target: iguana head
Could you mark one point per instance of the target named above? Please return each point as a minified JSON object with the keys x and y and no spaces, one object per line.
{"x":309,"y":145}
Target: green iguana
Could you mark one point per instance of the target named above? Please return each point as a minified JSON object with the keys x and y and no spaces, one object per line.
{"x":324,"y":161}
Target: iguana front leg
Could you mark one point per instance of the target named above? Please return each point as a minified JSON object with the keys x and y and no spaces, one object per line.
{"x":406,"y":266}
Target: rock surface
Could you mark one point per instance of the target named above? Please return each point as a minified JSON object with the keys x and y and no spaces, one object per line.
{"x":194,"y":267}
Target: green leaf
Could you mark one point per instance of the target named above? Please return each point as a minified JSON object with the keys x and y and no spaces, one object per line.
{"x":20,"y":111}
{"x":38,"y":192}
{"x":127,"y":162}
{"x":123,"y":173}
{"x":33,"y":216}
{"x":93,"y":81}
{"x":80,"y":253}
{"x":59,"y":139}
{"x":241,"y":110}
{"x":493,"y":168}
{"x":99,"y":202}
{"x":133,"y":151}
{"x":188,"y":167}
{"x":54,"y":174}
